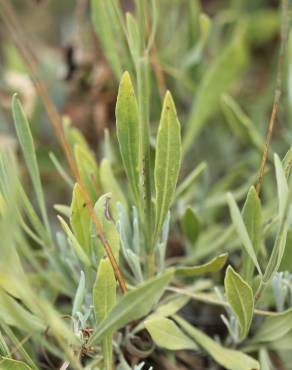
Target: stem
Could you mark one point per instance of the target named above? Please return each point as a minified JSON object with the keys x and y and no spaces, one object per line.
{"x":214,"y":301}
{"x":13,"y":25}
{"x":277,"y":94}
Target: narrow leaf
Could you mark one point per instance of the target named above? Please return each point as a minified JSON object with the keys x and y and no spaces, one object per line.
{"x":242,"y":231}
{"x":214,"y":265}
{"x":104,"y":299}
{"x":228,"y":358}
{"x":77,"y":247}
{"x":240,"y":297}
{"x":222,"y":72}
{"x":26,"y":141}
{"x":252,"y":217}
{"x":133,"y":305}
{"x":128,"y":132}
{"x":80,"y":219}
{"x":274,"y":327}
{"x":167,"y":161}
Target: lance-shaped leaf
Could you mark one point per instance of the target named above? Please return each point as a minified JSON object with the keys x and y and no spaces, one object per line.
{"x":133,"y":305}
{"x":252,"y":217}
{"x":220,"y":74}
{"x":26,"y":141}
{"x":128,"y":131}
{"x":284,"y":216}
{"x":104,"y":299}
{"x":166,"y":334}
{"x":80,"y":219}
{"x":241,"y":231}
{"x":105,"y":22}
{"x":214,"y":265}
{"x":77,"y":247}
{"x":274,"y":327}
{"x":167,"y":161}
{"x":240,"y":297}
{"x":228,"y":358}
{"x":10,"y":364}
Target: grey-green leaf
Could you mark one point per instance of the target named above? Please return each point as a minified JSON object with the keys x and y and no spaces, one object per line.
{"x":166,"y":334}
{"x":274,"y":327}
{"x":282,"y":186}
{"x":240,"y":297}
{"x":252,"y":217}
{"x":104,"y":299}
{"x":80,"y":219}
{"x":214,"y":265}
{"x":128,"y":132}
{"x":26,"y":141}
{"x":228,"y":358}
{"x":242,"y":231}
{"x":167,"y":161}
{"x":133,"y":305}
{"x":224,"y":70}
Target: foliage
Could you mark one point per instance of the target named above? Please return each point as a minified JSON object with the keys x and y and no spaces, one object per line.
{"x":174,"y":198}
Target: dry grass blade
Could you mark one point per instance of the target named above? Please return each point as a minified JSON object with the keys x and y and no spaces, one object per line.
{"x":13,"y":25}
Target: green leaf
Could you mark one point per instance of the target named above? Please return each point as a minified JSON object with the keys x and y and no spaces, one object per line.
{"x":26,"y":141}
{"x":252,"y":217}
{"x":4,"y":350}
{"x":190,"y":225}
{"x":109,"y":184}
{"x":224,"y":70}
{"x":80,"y":219}
{"x":240,"y":297}
{"x":265,"y":361}
{"x":282,"y":187}
{"x":240,"y":123}
{"x":188,"y":183}
{"x":242,"y":231}
{"x":284,"y":216}
{"x":167,"y":161}
{"x":214,"y":265}
{"x":228,"y":358}
{"x":128,"y":132}
{"x":79,"y":296}
{"x":133,"y":305}
{"x":88,"y":169}
{"x":14,"y":314}
{"x":166,"y":334}
{"x":102,"y":209}
{"x":172,"y":306}
{"x":104,"y":299}
{"x":274,"y":327}
{"x":62,"y":172}
{"x":10,"y":364}
{"x":111,"y":36}
{"x":133,"y":37}
{"x":77,"y":247}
